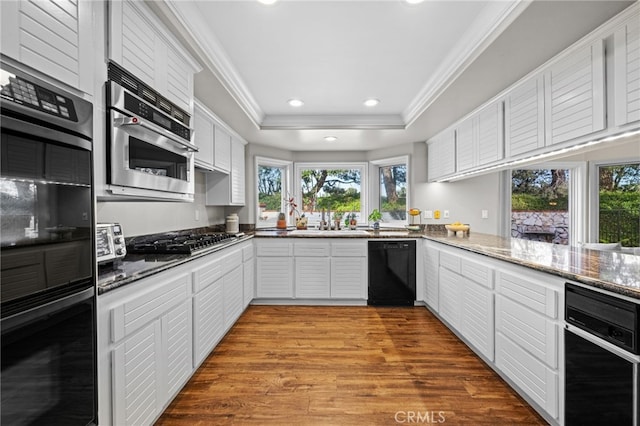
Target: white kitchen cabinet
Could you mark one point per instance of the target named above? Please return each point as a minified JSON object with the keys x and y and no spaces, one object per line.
{"x":248,"y":274}
{"x":203,"y":135}
{"x":312,"y":269}
{"x":575,"y":94}
{"x":140,"y":42}
{"x":528,"y":328}
{"x":479,"y":138}
{"x":627,"y":72}
{"x":55,"y":37}
{"x":431,"y":274}
{"x":222,"y":150}
{"x":152,"y":358}
{"x":232,"y":285}
{"x":349,"y":270}
{"x":441,"y":155}
{"x":274,"y":269}
{"x":477,"y":322}
{"x":450,"y":297}
{"x":228,"y":189}
{"x":524,"y":117}
{"x":208,"y":309}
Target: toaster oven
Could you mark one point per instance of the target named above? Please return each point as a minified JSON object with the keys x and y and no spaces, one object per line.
{"x":110,"y":244}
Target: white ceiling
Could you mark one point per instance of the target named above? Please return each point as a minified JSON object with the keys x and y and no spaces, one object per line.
{"x":335,"y":54}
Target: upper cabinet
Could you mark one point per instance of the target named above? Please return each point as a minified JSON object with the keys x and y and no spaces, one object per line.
{"x":56,"y":36}
{"x":627,"y":73}
{"x":212,"y":139}
{"x":228,"y":189}
{"x":479,"y":138}
{"x":441,"y":155}
{"x":574,"y":95}
{"x":524,"y":117}
{"x":141,"y":44}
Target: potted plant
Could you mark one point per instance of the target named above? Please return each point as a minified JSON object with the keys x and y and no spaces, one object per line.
{"x":337,"y":218}
{"x":350,"y":221}
{"x":282,"y":221}
{"x":375,"y":216}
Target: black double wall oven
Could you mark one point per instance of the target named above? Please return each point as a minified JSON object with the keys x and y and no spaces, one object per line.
{"x":47,"y":253}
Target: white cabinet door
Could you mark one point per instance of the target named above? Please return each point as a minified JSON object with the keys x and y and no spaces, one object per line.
{"x":431,"y":275}
{"x":222,"y":150}
{"x":349,"y":277}
{"x":450,"y":297}
{"x":441,"y":155}
{"x":136,"y":369}
{"x":55,"y":37}
{"x":465,"y":145}
{"x":248,"y":277}
{"x":627,"y":73}
{"x":177,"y":347}
{"x":204,"y":129}
{"x":237,"y":173}
{"x":274,"y":277}
{"x":208,"y":320}
{"x":524,"y":117}
{"x":140,"y":43}
{"x":232,"y":288}
{"x":574,"y":95}
{"x":312,"y":278}
{"x":477,"y":314}
{"x":489,"y":134}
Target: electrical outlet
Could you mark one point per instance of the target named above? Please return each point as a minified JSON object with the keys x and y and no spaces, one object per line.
{"x":428,"y":214}
{"x":445,"y":214}
{"x":197,"y":215}
{"x":485,"y":214}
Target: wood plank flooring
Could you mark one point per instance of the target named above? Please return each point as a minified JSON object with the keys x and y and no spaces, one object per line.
{"x":302,"y":365}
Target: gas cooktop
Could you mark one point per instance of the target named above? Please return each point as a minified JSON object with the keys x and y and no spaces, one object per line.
{"x":177,"y":243}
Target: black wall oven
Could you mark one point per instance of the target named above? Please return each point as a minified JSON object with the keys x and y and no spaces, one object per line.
{"x":47,"y":253}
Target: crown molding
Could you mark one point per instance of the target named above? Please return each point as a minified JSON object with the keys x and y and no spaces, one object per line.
{"x":495,"y":18}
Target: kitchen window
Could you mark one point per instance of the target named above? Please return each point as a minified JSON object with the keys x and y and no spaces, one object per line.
{"x":273,"y":177}
{"x":336,"y":187}
{"x":615,"y":209}
{"x":391,"y":191}
{"x":546,"y":203}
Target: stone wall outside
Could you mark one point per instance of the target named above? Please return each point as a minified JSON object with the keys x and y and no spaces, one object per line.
{"x":548,"y":226}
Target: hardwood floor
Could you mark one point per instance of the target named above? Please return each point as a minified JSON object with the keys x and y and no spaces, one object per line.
{"x":299,"y":365}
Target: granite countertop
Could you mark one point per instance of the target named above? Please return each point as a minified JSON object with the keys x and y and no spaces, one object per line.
{"x":343,"y":233}
{"x":609,"y":270}
{"x":137,"y":266}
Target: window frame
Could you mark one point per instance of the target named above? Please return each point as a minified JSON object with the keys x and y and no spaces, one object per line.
{"x":363,"y":166}
{"x":594,"y":193}
{"x":374,"y":193}
{"x":577,"y":197}
{"x":285,"y":185}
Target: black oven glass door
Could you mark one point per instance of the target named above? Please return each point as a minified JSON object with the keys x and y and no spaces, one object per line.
{"x":46,"y":220}
{"x":48,"y":367}
{"x":147,"y":158}
{"x":599,"y":386}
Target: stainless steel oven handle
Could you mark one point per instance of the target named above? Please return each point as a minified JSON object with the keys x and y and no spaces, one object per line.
{"x":136,"y":121}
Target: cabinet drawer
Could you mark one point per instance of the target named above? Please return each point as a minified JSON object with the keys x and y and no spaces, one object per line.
{"x":450,"y":261}
{"x":349,"y":249}
{"x":311,"y":248}
{"x":132,"y":315}
{"x":247,"y":252}
{"x":538,"y":381}
{"x":206,"y":275}
{"x":274,"y":249}
{"x":528,"y":292}
{"x":477,"y":272}
{"x":532,"y":331}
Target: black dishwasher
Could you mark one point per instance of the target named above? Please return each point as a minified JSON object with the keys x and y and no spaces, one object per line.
{"x":392,"y":273}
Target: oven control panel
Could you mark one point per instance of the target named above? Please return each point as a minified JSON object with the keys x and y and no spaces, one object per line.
{"x":110,"y":244}
{"x":15,"y":88}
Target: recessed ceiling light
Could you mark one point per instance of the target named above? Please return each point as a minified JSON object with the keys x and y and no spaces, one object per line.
{"x":267,"y":1}
{"x":330,"y":138}
{"x":371,"y":102}
{"x":414,"y":1}
{"x":295,"y":102}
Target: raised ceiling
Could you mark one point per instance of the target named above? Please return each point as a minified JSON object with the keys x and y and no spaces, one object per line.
{"x":335,"y":54}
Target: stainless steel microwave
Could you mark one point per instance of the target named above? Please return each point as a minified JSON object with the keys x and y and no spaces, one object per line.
{"x":149,"y":141}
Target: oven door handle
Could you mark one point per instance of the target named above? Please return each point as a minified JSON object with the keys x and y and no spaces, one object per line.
{"x":137,"y":121}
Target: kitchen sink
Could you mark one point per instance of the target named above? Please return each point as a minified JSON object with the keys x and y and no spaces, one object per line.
{"x":323,"y":233}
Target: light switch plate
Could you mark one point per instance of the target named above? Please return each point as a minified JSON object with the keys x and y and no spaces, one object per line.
{"x":428,"y":214}
{"x":485,"y":214}
{"x":445,"y":214}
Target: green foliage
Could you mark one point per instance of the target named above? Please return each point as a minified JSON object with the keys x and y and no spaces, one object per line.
{"x":375,"y":215}
{"x":614,"y":200}
{"x":272,"y":202}
{"x":530,"y":202}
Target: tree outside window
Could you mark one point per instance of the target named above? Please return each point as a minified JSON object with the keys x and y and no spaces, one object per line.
{"x":619,"y":204}
{"x":393,"y":192}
